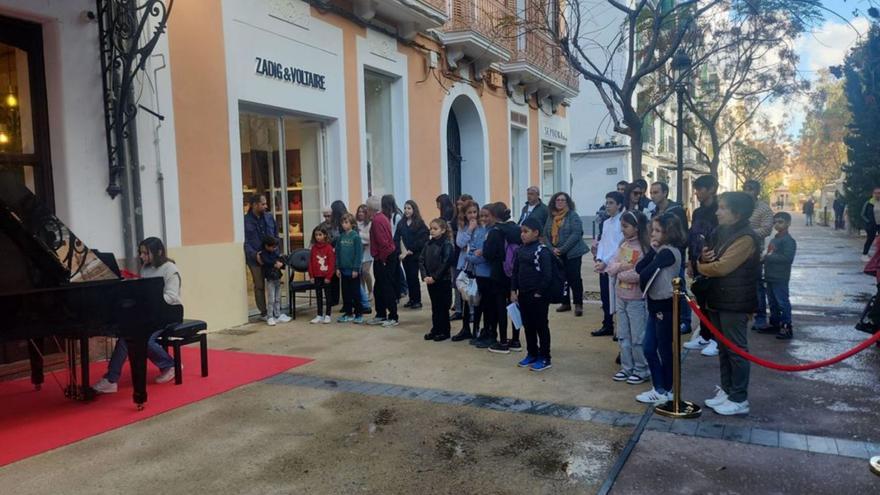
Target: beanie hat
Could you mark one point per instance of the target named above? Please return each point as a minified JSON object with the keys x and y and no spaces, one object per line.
{"x":532,"y":224}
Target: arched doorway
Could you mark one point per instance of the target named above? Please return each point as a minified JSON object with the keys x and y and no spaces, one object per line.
{"x":465,"y":150}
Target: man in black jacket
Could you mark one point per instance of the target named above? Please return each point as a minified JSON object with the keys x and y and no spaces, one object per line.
{"x":534,"y":207}
{"x":870,"y":215}
{"x":258,"y":224}
{"x":703,"y":221}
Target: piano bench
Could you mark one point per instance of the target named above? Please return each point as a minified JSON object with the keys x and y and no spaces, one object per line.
{"x":183,"y":333}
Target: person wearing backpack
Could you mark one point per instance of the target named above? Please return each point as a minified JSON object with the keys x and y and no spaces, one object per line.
{"x":529,"y":288}
{"x":501,"y":242}
{"x":564,"y":233}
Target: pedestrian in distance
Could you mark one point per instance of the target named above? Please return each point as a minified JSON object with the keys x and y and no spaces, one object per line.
{"x":273,"y":262}
{"x":732,"y":262}
{"x":657,"y":268}
{"x":529,"y":288}
{"x":631,"y":308}
{"x":322,"y":269}
{"x":809,"y":210}
{"x":871,"y":217}
{"x":435,"y":265}
{"x":777,"y":273}
{"x":349,"y":259}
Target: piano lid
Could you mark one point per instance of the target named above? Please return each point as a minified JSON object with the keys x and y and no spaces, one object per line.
{"x":55,"y":252}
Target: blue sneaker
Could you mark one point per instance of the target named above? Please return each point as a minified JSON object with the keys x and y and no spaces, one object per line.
{"x":344,"y":319}
{"x":541,"y":365}
{"x":527,"y":361}
{"x":358,"y":321}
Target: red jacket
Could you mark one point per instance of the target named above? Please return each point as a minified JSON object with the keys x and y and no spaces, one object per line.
{"x":381,"y":239}
{"x":323,"y":261}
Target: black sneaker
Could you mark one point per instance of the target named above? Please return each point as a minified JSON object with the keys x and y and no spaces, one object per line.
{"x":768,"y":330}
{"x":785,"y":333}
{"x":415,"y":306}
{"x":515,"y":346}
{"x":484,"y":343}
{"x":500,"y":348}
{"x":408,"y":304}
{"x":440,"y":337}
{"x":430,"y":335}
{"x":464,"y":334}
{"x":563,"y":308}
{"x":602,"y":332}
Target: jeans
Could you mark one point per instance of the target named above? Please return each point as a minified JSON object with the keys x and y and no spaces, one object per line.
{"x":658,"y":350}
{"x":780,"y":304}
{"x":631,"y":316}
{"x":535,"y":324}
{"x":351,"y":303}
{"x":605,"y":295}
{"x":259,"y":287}
{"x":871,"y":231}
{"x":385,"y":290}
{"x":365,"y":298}
{"x":414,"y":286}
{"x":734,"y":369}
{"x":274,"y":303}
{"x":440,"y":293}
{"x":761,"y":314}
{"x":809,"y":219}
{"x":573,"y":278}
{"x":154,"y":351}
{"x":322,"y":292}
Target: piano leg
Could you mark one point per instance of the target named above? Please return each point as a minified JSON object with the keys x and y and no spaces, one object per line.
{"x":35,"y":353}
{"x":137,"y":360}
{"x":86,"y":392}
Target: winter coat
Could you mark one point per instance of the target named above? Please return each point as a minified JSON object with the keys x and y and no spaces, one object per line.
{"x":437,"y":259}
{"x":571,"y":236}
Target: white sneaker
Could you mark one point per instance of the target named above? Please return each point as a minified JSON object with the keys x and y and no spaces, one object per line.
{"x":620,"y":376}
{"x":730,"y":408}
{"x":696,"y":344}
{"x":317,"y":319}
{"x":326,"y":320}
{"x":865,"y":258}
{"x":720,"y":398}
{"x":654,"y":397}
{"x":284,"y":318}
{"x":271,"y":322}
{"x":166,"y":376}
{"x":711,"y":349}
{"x":107,"y":387}
{"x":390,"y":323}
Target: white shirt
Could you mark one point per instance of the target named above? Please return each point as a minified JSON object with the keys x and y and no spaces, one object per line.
{"x":168,"y":272}
{"x":612,"y":236}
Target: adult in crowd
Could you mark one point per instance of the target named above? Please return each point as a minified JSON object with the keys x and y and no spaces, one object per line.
{"x":534,"y":207}
{"x":839,"y":206}
{"x":871,"y":217}
{"x":154,"y":263}
{"x":385,"y":263}
{"x":364,"y":219}
{"x":634,"y":197}
{"x":564,"y":233}
{"x":761,"y":222}
{"x":411,"y":235}
{"x":703,"y":222}
{"x":393,"y":212}
{"x":809,"y":210}
{"x":662,"y":204}
{"x":732,"y":262}
{"x":604,"y":255}
{"x":257,"y":225}
{"x":601,"y":214}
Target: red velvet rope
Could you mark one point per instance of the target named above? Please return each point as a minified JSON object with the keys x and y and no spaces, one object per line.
{"x":780,"y":367}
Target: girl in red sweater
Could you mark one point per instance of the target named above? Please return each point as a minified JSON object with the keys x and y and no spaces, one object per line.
{"x":322,"y":266}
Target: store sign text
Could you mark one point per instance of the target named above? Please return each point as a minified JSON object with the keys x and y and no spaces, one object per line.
{"x":292,"y":75}
{"x":552,"y":133}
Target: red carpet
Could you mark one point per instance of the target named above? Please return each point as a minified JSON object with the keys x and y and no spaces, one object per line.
{"x":33,"y":422}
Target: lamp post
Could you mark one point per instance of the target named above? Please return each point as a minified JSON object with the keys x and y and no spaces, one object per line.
{"x":681,"y":65}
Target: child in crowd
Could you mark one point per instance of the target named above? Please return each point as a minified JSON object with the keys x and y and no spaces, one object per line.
{"x":349,"y":258}
{"x":604,"y":254}
{"x":656,"y":270}
{"x":529,"y":287}
{"x":272,"y":265}
{"x":321,"y":269}
{"x":483,"y":270}
{"x":469,"y":238}
{"x":435,"y":265}
{"x":630,"y":305}
{"x":777,"y":273}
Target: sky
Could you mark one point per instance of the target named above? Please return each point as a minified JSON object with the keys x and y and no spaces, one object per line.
{"x":825,"y":46}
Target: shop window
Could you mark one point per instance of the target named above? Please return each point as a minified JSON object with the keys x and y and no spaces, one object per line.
{"x":379,"y":139}
{"x":551,"y":163}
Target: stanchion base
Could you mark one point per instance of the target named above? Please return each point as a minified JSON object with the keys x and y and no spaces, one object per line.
{"x":686,"y":410}
{"x":875,"y":465}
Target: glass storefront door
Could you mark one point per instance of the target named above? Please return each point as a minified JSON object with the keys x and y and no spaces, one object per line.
{"x":551,"y":164}
{"x":290,"y":181}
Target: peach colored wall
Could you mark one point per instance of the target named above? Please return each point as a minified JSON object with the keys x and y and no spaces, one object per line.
{"x":201,"y":128}
{"x":350,"y":33}
{"x":535,"y":147}
{"x":496,"y":110}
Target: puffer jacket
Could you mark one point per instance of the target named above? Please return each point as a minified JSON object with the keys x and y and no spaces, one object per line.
{"x":571,"y":236}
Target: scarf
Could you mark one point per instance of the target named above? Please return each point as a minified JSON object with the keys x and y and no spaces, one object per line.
{"x":558,"y":217}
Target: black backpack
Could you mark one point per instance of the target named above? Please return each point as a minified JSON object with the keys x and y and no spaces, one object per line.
{"x":558,"y":292}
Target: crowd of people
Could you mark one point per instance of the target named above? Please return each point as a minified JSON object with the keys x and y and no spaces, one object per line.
{"x":479,"y":266}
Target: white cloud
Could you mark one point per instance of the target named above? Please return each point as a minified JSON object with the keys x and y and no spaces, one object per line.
{"x":829,"y":44}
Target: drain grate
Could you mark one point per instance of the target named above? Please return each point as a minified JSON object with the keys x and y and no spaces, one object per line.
{"x":238,"y":332}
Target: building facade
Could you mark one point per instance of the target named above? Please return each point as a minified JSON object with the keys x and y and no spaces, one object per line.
{"x":305,"y":102}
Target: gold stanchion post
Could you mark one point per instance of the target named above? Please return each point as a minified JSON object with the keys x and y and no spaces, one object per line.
{"x":677,"y":408}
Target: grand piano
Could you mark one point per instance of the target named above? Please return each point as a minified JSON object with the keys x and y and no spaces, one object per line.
{"x":55,"y":290}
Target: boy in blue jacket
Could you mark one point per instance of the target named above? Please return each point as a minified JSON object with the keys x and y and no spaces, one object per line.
{"x":777,"y":273}
{"x":530,"y":284}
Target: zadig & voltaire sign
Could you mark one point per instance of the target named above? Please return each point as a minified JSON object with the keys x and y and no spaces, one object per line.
{"x":292,"y":75}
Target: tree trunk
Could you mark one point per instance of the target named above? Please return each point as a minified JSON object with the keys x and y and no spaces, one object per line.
{"x":635,"y":150}
{"x":716,"y":154}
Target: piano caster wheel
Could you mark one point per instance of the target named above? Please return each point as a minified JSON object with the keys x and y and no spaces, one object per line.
{"x":140,"y":407}
{"x":38,"y":387}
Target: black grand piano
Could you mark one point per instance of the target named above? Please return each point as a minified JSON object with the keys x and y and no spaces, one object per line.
{"x":54,"y":289}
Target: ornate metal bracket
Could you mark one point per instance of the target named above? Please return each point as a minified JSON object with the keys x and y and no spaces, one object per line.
{"x":125,"y":48}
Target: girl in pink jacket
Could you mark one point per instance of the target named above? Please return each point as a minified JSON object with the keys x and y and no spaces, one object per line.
{"x":630,"y":305}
